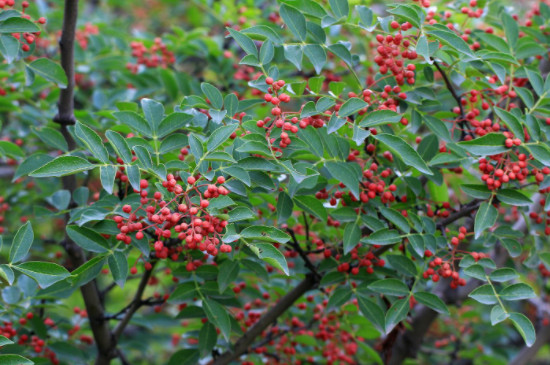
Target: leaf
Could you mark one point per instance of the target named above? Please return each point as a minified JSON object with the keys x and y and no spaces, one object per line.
{"x":452,"y":40}
{"x":213,"y":94}
{"x":340,"y":8}
{"x":352,"y":235}
{"x":397,"y":312}
{"x":392,"y":287}
{"x":379,"y":117}
{"x":107,"y":176}
{"x":32,"y":163}
{"x":44,"y":273}
{"x":14,"y":359}
{"x":410,"y":13}
{"x":207,"y":339}
{"x":229,"y":270}
{"x":316,"y":55}
{"x":271,"y":255}
{"x":477,"y":191}
{"x":484,"y":294}
{"x":476,"y":271}
{"x":217,"y":315}
{"x":88,"y":239}
{"x":244,"y":41}
{"x":504,"y":274}
{"x":517,"y":291}
{"x":62,"y":166}
{"x":512,"y":122}
{"x":172,"y":123}
{"x":267,"y":51}
{"x":48,"y":69}
{"x":513,"y":197}
{"x":88,"y":271}
{"x":432,"y":301}
{"x":5,"y":341}
{"x":9,"y":47}
{"x":284,"y":207}
{"x":295,"y":21}
{"x":540,"y":152}
{"x":154,"y":113}
{"x":312,"y":206}
{"x":498,"y":315}
{"x":18,"y":24}
{"x":383,"y":237}
{"x":143,"y":157}
{"x":489,"y":144}
{"x":120,"y":145}
{"x":372,"y":312}
{"x":343,"y":172}
{"x":174,"y":141}
{"x":294,"y":54}
{"x":219,"y":136}
{"x":404,"y":151}
{"x":396,"y":218}
{"x":92,"y":141}
{"x":511,"y":29}
{"x":402,"y":264}
{"x":265,"y":233}
{"x":352,"y":106}
{"x":11,"y":149}
{"x":438,"y":127}
{"x":486,"y":217}
{"x":21,"y":243}
{"x":524,"y":327}
{"x":118,"y":264}
{"x":135,"y":121}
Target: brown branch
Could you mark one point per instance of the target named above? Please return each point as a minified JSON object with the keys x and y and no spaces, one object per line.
{"x":105,"y":342}
{"x":246,"y":340}
{"x":135,"y":304}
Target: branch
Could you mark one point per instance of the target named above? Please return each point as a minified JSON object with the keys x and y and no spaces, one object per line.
{"x":135,"y":304}
{"x":244,"y":342}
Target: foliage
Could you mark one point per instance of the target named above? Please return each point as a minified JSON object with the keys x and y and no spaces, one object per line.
{"x":289,"y":182}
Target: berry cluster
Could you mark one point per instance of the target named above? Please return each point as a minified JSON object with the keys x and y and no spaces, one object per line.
{"x":157,"y":55}
{"x":37,"y":344}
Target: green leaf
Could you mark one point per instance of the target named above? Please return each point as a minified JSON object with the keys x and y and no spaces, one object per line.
{"x":49,"y":70}
{"x":352,"y":235}
{"x":432,"y":301}
{"x":107,"y":176}
{"x":120,"y":145}
{"x":498,"y":315}
{"x":489,"y":144}
{"x":14,"y":359}
{"x":340,"y":8}
{"x":185,"y":357}
{"x":118,"y":264}
{"x":183,"y":292}
{"x":402,"y":264}
{"x":512,"y":246}
{"x":284,"y":207}
{"x":271,"y":255}
{"x":62,"y":166}
{"x":5,"y":341}
{"x":172,"y":123}
{"x":267,"y":51}
{"x":397,"y":312}
{"x":379,"y":117}
{"x":11,"y":149}
{"x":410,"y":13}
{"x":476,"y":271}
{"x":18,"y":25}
{"x":92,"y":141}
{"x":517,"y":291}
{"x":229,"y":270}
{"x":352,"y":106}
{"x":88,"y":271}
{"x":244,"y":41}
{"x":316,"y":55}
{"x":213,"y":94}
{"x":21,"y":244}
{"x":294,"y":54}
{"x":32,"y":163}
{"x":372,"y":312}
{"x":396,"y":218}
{"x":486,"y":217}
{"x":484,"y":294}
{"x":312,"y":206}
{"x":476,"y":191}
{"x":154,"y":113}
{"x":88,"y":239}
{"x":218,"y":316}
{"x":44,"y":273}
{"x":143,"y":156}
{"x":219,"y":136}
{"x":513,"y":197}
{"x":404,"y":151}
{"x":9,"y":47}
{"x":452,"y":40}
{"x":511,"y":29}
{"x":383,"y":237}
{"x":174,"y":141}
{"x":540,"y":152}
{"x":135,"y":121}
{"x":392,"y":287}
{"x":524,"y":327}
{"x":512,"y":122}
{"x":207,"y":338}
{"x":265,"y":233}
{"x":504,"y":274}
{"x":343,"y":172}
{"x":536,"y":81}
{"x":295,"y":21}
{"x":438,"y":127}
